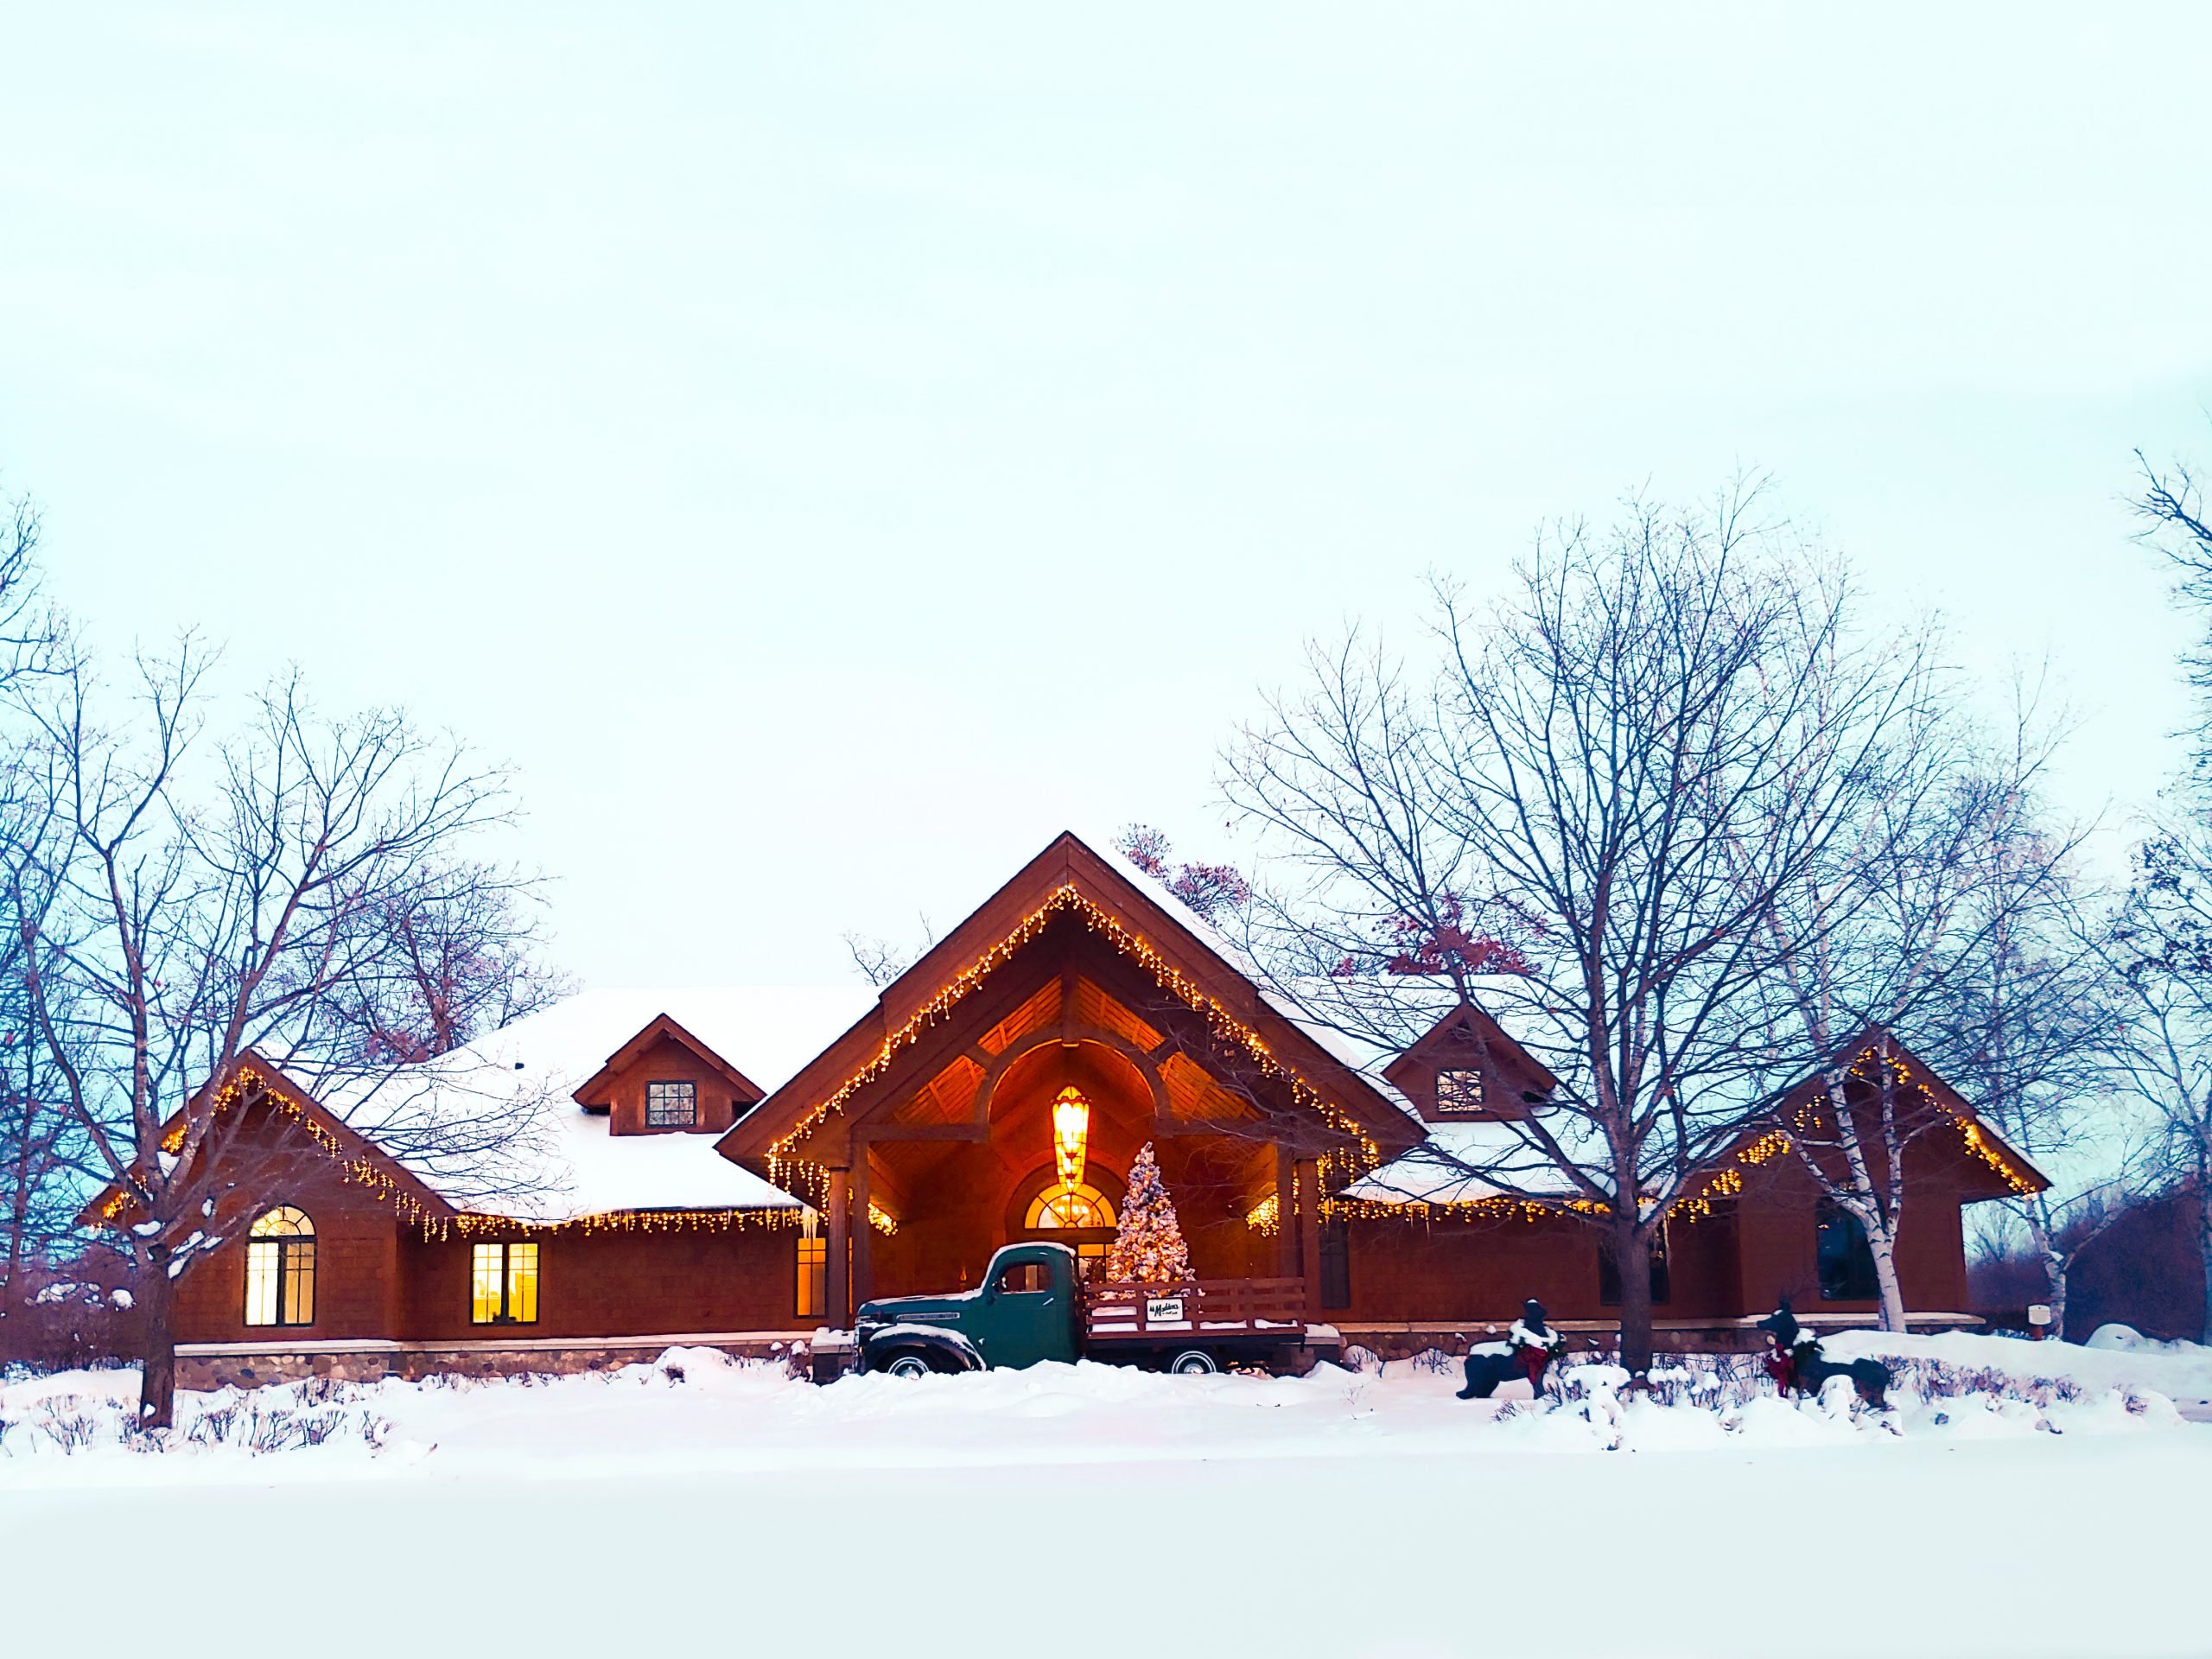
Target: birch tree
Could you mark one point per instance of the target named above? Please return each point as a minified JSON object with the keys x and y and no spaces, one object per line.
{"x":1913,"y":922}
{"x":1583,"y":814}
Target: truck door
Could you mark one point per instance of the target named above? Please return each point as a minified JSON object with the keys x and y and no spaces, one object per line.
{"x":1032,"y":1314}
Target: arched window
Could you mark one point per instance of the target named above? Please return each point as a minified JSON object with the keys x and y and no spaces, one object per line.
{"x":1062,"y":1205}
{"x":280,"y":1268}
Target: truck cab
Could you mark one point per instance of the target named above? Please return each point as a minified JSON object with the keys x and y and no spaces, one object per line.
{"x":1028,"y":1308}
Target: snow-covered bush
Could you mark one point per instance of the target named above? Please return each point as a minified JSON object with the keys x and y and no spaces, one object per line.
{"x":281,"y":1418}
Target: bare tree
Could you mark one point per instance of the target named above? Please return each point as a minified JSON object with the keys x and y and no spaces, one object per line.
{"x":2172,"y":519}
{"x":1585,"y":820}
{"x":2022,"y":1028}
{"x":2160,"y":943}
{"x":1909,"y":923}
{"x":41,"y":1163}
{"x":463,"y":958}
{"x":879,"y":962}
{"x":265,"y":897}
{"x":43,"y":1153}
{"x":2160,"y":1049}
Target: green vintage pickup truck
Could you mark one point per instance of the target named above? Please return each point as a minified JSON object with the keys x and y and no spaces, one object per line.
{"x":1033,"y":1305}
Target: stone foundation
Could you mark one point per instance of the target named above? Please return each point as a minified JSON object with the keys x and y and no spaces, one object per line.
{"x":252,"y":1364}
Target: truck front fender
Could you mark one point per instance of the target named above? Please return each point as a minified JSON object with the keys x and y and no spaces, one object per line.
{"x":945,"y":1351}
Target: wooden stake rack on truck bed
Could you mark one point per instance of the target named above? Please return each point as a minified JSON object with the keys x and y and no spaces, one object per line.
{"x":1271,"y":1310}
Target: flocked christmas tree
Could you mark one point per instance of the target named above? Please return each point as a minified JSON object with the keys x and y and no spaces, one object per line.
{"x":1148,"y":1248}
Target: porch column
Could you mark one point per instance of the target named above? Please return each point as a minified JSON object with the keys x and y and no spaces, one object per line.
{"x":838,"y":1306}
{"x":1286,"y":1214}
{"x":1309,"y":1232}
{"x":863,"y":1232}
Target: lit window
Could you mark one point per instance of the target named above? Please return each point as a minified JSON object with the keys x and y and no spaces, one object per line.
{"x":280,"y":1269}
{"x":813,"y":1277}
{"x":503,"y":1284}
{"x":1062,"y":1205}
{"x":671,"y":1105}
{"x":1458,"y":1091}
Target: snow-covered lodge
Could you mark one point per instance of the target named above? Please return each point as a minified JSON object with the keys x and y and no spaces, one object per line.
{"x":740,"y":1167}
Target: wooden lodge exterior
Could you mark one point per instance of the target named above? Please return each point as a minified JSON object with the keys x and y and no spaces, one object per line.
{"x":745,"y":1172}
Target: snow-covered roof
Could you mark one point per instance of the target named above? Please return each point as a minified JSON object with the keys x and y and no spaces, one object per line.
{"x":1440,"y":1169}
{"x":554,"y":1161}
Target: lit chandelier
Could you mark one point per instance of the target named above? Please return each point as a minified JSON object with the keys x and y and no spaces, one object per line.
{"x":1070,"y":1133}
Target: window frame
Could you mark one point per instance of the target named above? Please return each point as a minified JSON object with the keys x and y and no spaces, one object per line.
{"x":507,"y":1280}
{"x":1041,"y":1215}
{"x":1474,"y":1109}
{"x":691,"y":1093}
{"x":282,"y":1264}
{"x":811,"y":1288}
{"x":1335,"y":1264}
{"x":1858,"y":1255}
{"x":1037,"y":1280}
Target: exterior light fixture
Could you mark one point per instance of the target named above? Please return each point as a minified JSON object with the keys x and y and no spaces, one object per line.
{"x":1070,"y":1134}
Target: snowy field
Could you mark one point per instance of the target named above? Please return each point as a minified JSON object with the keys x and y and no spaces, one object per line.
{"x":700,"y":1504}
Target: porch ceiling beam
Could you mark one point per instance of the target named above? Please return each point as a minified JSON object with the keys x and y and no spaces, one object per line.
{"x":872,"y":1134}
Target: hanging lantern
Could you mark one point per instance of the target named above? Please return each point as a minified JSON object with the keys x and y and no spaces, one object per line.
{"x":1070,"y":1134}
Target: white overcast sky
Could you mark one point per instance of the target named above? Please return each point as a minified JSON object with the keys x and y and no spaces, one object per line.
{"x":827,"y":450}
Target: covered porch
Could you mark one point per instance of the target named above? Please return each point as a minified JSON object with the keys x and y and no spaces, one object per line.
{"x":1025,"y":1129}
{"x":1010,"y":1079}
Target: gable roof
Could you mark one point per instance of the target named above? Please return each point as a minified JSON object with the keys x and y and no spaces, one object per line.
{"x":557,"y":1162}
{"x":594,"y":1091}
{"x":2005,"y":1161}
{"x":252,"y":1079}
{"x":1487,"y":1033}
{"x":1134,"y":916}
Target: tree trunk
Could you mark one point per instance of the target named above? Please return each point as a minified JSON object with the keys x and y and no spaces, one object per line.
{"x":158,"y":1377}
{"x":11,"y":1278}
{"x":2204,"y":1249}
{"x":1633,"y":1250}
{"x":2054,"y":1262}
{"x":19,"y":1211}
{"x":1881,"y":1243}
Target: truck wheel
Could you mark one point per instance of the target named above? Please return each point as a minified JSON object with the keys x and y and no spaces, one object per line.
{"x":907,"y":1365}
{"x":1193,"y":1361}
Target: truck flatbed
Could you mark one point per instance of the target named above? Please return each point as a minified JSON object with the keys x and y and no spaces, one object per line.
{"x":1258,"y":1311}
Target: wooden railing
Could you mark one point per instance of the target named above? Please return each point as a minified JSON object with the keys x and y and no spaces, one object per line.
{"x":1211,"y":1306}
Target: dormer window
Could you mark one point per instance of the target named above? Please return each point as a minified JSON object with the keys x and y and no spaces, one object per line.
{"x":671,"y":1105}
{"x":1458,"y":1092}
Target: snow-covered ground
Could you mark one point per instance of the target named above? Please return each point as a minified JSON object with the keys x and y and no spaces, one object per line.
{"x":1084,"y":1510}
